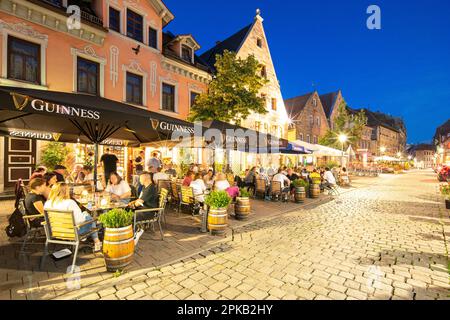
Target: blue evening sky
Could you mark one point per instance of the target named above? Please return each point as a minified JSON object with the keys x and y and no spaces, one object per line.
{"x":402,"y":69}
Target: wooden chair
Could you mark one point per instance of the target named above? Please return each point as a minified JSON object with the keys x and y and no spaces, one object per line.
{"x":187,"y":199}
{"x":260,"y":189}
{"x":164,"y":184}
{"x":157,"y":213}
{"x":60,"y":228}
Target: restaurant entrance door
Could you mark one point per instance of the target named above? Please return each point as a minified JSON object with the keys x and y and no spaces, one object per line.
{"x":20,"y":159}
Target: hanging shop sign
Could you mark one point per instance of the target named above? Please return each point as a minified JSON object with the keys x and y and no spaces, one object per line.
{"x":171,"y":127}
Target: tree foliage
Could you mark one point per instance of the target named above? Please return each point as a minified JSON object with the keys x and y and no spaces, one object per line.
{"x":351,"y":125}
{"x":233,"y":93}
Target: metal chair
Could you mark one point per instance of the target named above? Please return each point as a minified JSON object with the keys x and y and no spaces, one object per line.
{"x":175,"y":194}
{"x":60,"y":228}
{"x":31,"y":230}
{"x":156,"y":215}
{"x":260,"y":188}
{"x":164,"y":184}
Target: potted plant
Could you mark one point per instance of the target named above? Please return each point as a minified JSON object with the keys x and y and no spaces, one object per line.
{"x":218,"y":202}
{"x":445,"y":191}
{"x":118,"y":243}
{"x":242,"y":207}
{"x":300,"y":190}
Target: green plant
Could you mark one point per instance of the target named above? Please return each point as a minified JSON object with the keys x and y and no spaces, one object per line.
{"x":54,"y":153}
{"x":300,"y":183}
{"x":243,"y":193}
{"x":116,"y":218}
{"x":445,"y":191}
{"x":218,"y":199}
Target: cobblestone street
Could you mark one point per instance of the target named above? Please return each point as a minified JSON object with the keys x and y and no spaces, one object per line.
{"x":382,"y":241}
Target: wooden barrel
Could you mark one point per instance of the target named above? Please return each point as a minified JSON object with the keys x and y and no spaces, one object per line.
{"x":300,"y":194}
{"x":315,"y":191}
{"x":217,"y":220}
{"x":242,"y":208}
{"x":118,"y":247}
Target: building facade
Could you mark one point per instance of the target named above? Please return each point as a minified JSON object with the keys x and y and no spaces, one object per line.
{"x":442,"y":143}
{"x":308,"y":121}
{"x":252,"y":40}
{"x":117,"y":51}
{"x":423,"y":155}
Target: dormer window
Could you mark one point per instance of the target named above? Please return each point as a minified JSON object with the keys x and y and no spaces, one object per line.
{"x":186,"y":53}
{"x":259,"y":42}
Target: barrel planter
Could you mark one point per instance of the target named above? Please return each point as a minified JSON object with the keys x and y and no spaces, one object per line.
{"x":300,"y":194}
{"x":217,"y":220}
{"x":118,"y":247}
{"x":315,"y":191}
{"x":242,"y":208}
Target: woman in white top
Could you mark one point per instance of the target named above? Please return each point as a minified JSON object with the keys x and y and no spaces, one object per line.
{"x":119,"y":189}
{"x":221,"y":183}
{"x":199,"y":188}
{"x":59,"y":199}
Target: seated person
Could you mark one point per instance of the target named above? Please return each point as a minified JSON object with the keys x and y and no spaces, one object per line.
{"x":315,"y":177}
{"x":221,"y":183}
{"x":39,"y":172}
{"x":285,"y":182}
{"x":60,"y":172}
{"x":78,"y":175}
{"x":250,"y":179}
{"x":292,"y":176}
{"x":208,"y":178}
{"x":328,"y":180}
{"x":50,"y":181}
{"x":188,"y":178}
{"x":160,"y":175}
{"x":345,"y":180}
{"x":59,"y":199}
{"x":119,"y":188}
{"x":198,"y":186}
{"x":170,"y":170}
{"x":34,"y":201}
{"x":148,"y":198}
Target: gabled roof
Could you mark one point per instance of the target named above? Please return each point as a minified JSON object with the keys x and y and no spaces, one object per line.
{"x":232,"y":43}
{"x":375,"y":119}
{"x":328,"y":101}
{"x":294,"y":106}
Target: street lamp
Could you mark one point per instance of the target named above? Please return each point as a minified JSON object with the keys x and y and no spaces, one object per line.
{"x":399,"y":154}
{"x":342,"y":139}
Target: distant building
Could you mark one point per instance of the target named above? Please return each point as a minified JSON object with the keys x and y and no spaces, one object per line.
{"x":308,"y":121}
{"x":423,"y":155}
{"x":442,"y":143}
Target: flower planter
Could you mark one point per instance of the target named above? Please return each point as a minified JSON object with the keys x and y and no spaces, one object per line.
{"x":118,"y":247}
{"x":300,"y":194}
{"x":315,"y":191}
{"x":242,"y":208}
{"x":217,"y":220}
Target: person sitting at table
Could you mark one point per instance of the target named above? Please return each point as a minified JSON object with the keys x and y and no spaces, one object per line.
{"x":284,"y":181}
{"x":315,"y":177}
{"x":345,"y":180}
{"x":188,"y":178}
{"x":221,"y":183}
{"x":198,"y":187}
{"x":119,"y":188}
{"x":39,"y":172}
{"x":149,"y":197}
{"x":170,"y":170}
{"x":60,"y":171}
{"x":159,"y":175}
{"x":78,"y":175}
{"x":328,"y":180}
{"x":34,"y":201}
{"x":208,"y":178}
{"x":250,"y":179}
{"x":50,"y":181}
{"x":59,"y":199}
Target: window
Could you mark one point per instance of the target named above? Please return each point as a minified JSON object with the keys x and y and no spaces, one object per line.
{"x":194,"y":95}
{"x":168,"y":97}
{"x":134,"y":89}
{"x":114,"y":19}
{"x":274,"y":104}
{"x":311,"y":120}
{"x":264,"y":72}
{"x":153,"y":38}
{"x":258,"y":126}
{"x":24,"y":60}
{"x":301,"y":136}
{"x":134,"y":26}
{"x":259,"y":42}
{"x":308,"y":138}
{"x":318,"y":121}
{"x":186,"y":53}
{"x":87,"y":76}
{"x":314,"y":102}
{"x":315,"y":139}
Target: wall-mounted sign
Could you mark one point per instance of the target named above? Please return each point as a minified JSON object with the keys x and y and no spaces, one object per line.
{"x":51,"y":136}
{"x":115,"y":142}
{"x":172,"y":127}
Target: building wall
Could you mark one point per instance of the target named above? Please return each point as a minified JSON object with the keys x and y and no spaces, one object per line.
{"x":302,"y":123}
{"x":115,"y":56}
{"x":335,"y":109}
{"x":271,"y":90}
{"x":425,"y":158}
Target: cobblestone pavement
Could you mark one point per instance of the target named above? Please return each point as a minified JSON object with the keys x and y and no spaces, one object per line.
{"x":384,"y":241}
